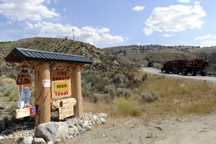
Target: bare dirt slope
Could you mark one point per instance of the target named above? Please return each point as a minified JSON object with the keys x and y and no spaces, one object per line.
{"x":167,"y":130}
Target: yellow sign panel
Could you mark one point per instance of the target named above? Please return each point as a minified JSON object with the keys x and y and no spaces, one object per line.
{"x":61,"y":86}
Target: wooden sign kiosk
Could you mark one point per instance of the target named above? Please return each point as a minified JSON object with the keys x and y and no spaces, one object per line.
{"x":44,"y":62}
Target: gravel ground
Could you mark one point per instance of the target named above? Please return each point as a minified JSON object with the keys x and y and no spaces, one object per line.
{"x":167,"y":130}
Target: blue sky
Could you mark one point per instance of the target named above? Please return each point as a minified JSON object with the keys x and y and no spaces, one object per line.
{"x":111,"y":23}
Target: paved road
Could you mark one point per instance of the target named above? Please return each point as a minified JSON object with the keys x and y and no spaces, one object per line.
{"x":188,"y":77}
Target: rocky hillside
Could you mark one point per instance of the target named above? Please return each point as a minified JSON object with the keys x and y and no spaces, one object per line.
{"x":212,"y":57}
{"x":153,"y":49}
{"x":144,"y":54}
{"x":101,"y":59}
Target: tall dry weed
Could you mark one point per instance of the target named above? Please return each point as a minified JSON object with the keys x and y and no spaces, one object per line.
{"x":177,"y":98}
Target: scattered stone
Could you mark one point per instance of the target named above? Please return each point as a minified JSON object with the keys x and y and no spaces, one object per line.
{"x":79,"y":127}
{"x":26,"y":140}
{"x":103,"y":120}
{"x":70,"y":123}
{"x":52,"y":130}
{"x":50,"y":142}
{"x":73,"y":127}
{"x":98,"y":121}
{"x":57,"y":141}
{"x":84,"y":124}
{"x":103,"y":115}
{"x":5,"y":132}
{"x":95,"y":117}
{"x":82,"y":131}
{"x":38,"y":141}
{"x":93,"y":123}
{"x":89,"y":128}
{"x":1,"y":137}
{"x":67,"y":137}
{"x":75,"y":134}
{"x":103,"y":135}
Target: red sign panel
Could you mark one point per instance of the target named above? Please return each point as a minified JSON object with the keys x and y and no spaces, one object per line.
{"x":33,"y":110}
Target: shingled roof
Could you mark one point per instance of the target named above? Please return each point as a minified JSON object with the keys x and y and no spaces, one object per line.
{"x":21,"y":54}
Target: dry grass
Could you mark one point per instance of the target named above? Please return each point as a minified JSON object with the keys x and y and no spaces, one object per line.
{"x":119,"y":107}
{"x":177,"y":98}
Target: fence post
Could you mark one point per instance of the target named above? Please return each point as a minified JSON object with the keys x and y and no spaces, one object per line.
{"x":42,"y":93}
{"x":76,"y":89}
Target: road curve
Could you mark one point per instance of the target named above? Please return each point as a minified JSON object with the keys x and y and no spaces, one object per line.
{"x":187,"y":77}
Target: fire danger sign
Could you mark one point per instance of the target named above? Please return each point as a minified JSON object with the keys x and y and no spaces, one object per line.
{"x":61,"y":83}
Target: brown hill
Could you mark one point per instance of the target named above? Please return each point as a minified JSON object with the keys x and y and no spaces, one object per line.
{"x":143,"y":54}
{"x":101,"y":59}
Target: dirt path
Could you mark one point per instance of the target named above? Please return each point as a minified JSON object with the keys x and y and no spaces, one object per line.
{"x":167,"y":130}
{"x":187,"y":77}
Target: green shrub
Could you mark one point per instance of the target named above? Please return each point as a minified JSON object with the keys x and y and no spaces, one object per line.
{"x":120,"y":80}
{"x":111,"y":75}
{"x":144,"y":77}
{"x":124,"y":92}
{"x":100,"y":84}
{"x":150,"y":97}
{"x":99,"y":97}
{"x":12,"y":76}
{"x":109,"y":88}
{"x":86,"y":90}
{"x":125,"y":107}
{"x":155,"y":94}
{"x":137,"y":82}
{"x":11,"y":93}
{"x":150,"y":64}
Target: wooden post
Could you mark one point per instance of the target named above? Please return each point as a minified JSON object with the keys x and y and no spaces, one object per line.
{"x":76,"y":89}
{"x":42,"y":93}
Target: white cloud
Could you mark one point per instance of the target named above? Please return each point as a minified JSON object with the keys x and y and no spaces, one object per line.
{"x":127,"y":38}
{"x":86,"y":34}
{"x":26,"y":9}
{"x":148,"y":31}
{"x":203,"y":37}
{"x":107,"y":38}
{"x":64,"y":9}
{"x":103,"y":30}
{"x":208,"y":43}
{"x":29,"y":26}
{"x":9,"y":22}
{"x":175,"y":18}
{"x":138,"y":8}
{"x":48,"y":1}
{"x":168,"y":35}
{"x":184,"y":1}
